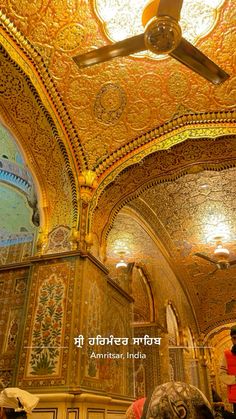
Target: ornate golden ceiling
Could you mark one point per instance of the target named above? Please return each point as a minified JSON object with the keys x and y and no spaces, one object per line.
{"x":157,"y":138}
{"x":113,"y":103}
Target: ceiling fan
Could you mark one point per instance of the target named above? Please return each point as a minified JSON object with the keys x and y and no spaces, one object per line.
{"x":222,"y":262}
{"x":162,"y":35}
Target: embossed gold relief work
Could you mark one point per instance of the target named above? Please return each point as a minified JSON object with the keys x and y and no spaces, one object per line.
{"x":197,"y":206}
{"x":145,"y":250}
{"x":200,"y":154}
{"x":26,"y":117}
{"x":87,"y":182}
{"x":128,"y":234}
{"x":203,"y":207}
{"x":109,"y":103}
{"x":112,"y":104}
{"x":13,"y":286}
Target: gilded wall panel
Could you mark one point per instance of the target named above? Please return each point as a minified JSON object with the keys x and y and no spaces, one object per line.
{"x":12,"y":298}
{"x":45,"y":413}
{"x":72,"y":413}
{"x":15,"y":253}
{"x":47,"y":333}
{"x":13,"y":327}
{"x":112,"y":414}
{"x":141,"y":292}
{"x":59,"y":240}
{"x":148,"y":371}
{"x":93,"y":323}
{"x":119,"y":372}
{"x":104,"y":312}
{"x":48,"y":324}
{"x":93,"y":414}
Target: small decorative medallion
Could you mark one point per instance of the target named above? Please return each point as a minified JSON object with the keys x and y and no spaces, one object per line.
{"x":110,"y":103}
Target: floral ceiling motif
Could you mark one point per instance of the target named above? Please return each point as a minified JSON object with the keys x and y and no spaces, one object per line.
{"x":128,"y":235}
{"x":204,"y":207}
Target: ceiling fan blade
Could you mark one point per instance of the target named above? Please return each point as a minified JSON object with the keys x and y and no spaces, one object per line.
{"x":212,"y":272}
{"x":201,"y":255}
{"x":170,"y":8}
{"x":190,"y":56}
{"x":232,"y":262}
{"x":119,"y":49}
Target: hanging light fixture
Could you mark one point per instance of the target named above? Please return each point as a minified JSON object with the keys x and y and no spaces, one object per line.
{"x":121,"y":263}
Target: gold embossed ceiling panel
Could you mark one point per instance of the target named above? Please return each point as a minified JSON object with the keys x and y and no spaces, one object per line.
{"x":188,"y":213}
{"x":194,"y":209}
{"x":112,"y":103}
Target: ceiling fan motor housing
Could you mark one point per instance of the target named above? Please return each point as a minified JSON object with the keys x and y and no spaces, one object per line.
{"x":221,"y":253}
{"x":162,"y":35}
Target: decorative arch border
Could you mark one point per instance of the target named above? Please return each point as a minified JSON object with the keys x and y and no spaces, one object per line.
{"x":225,"y":322}
{"x":146,"y":280}
{"x":173,"y":132}
{"x":218,"y":327}
{"x":15,"y":59}
{"x":31,"y":62}
{"x":171,"y":305}
{"x":222,"y":156}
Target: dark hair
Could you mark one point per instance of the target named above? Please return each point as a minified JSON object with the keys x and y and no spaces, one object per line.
{"x":11,"y":414}
{"x":203,"y":412}
{"x":233,"y":331}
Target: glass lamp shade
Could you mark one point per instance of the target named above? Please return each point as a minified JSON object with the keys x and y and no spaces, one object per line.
{"x":121,"y":264}
{"x":221,"y":252}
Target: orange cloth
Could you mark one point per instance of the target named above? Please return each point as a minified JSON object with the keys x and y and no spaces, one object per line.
{"x":135,"y":409}
{"x":231,"y":369}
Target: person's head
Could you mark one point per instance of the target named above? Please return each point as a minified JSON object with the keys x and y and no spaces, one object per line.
{"x":177,"y":400}
{"x":233,"y":339}
{"x":7,"y":413}
{"x":11,"y":414}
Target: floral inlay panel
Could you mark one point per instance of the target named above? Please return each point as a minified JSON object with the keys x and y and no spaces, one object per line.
{"x":47,"y":331}
{"x":47,"y":334}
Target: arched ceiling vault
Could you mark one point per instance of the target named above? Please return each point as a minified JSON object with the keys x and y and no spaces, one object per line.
{"x":192,"y":156}
{"x":185,"y":194}
{"x":131,"y":230}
